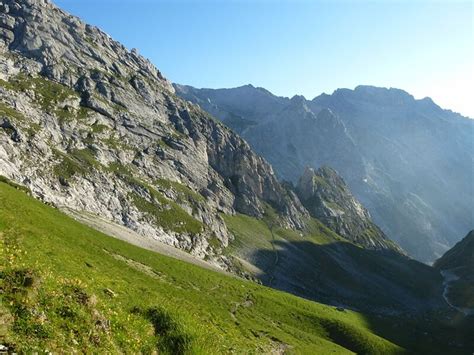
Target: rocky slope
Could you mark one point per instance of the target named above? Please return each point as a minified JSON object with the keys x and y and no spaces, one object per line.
{"x":408,"y":161}
{"x":87,"y":124}
{"x":327,"y":198}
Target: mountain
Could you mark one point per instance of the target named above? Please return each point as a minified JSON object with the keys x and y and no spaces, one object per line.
{"x":88,"y":125}
{"x":461,"y":256}
{"x":101,"y":134}
{"x":101,"y":131}
{"x":72,"y":289}
{"x":408,"y":161}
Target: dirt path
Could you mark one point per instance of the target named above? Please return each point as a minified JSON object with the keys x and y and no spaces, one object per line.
{"x":129,"y":236}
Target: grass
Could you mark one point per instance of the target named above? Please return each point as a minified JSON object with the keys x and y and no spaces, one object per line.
{"x":309,"y":254}
{"x":10,"y":112}
{"x":78,"y":161}
{"x":167,"y":213}
{"x":183,"y":192}
{"x":253,"y":234}
{"x":48,"y":93}
{"x":50,"y":96}
{"x":4,"y":180}
{"x":66,"y":287}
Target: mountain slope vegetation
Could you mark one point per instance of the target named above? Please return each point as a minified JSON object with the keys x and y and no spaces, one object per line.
{"x":67,"y":287}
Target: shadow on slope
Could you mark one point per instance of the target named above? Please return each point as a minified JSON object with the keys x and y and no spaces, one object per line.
{"x":391,"y":285}
{"x":341,"y":273}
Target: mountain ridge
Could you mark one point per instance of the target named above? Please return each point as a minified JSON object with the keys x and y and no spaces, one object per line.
{"x":375,"y":138}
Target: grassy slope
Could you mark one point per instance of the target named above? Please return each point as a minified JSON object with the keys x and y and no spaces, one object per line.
{"x":433,"y":332}
{"x":66,"y":286}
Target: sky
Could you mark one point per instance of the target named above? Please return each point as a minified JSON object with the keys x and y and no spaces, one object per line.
{"x":300,"y":47}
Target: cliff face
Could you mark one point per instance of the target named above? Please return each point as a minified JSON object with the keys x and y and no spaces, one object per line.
{"x":88,"y":125}
{"x":327,"y":198}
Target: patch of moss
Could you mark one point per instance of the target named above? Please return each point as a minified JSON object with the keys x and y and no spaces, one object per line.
{"x":99,"y":128}
{"x":319,"y":181}
{"x":116,"y":144}
{"x":166,"y":213}
{"x":78,"y":161}
{"x":10,"y":112}
{"x":33,"y":129}
{"x":48,"y":95}
{"x":184,"y":193}
{"x":214,"y":243}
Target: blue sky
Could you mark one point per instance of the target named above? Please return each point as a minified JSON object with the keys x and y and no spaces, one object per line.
{"x":300,"y":47}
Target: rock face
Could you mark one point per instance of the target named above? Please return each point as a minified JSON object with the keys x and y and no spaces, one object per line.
{"x":88,"y":125}
{"x":327,"y":198}
{"x":408,"y":161}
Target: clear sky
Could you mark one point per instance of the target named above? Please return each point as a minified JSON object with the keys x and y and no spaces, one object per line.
{"x":300,"y":47}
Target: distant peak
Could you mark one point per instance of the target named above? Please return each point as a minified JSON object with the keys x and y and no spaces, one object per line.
{"x":298,"y":99}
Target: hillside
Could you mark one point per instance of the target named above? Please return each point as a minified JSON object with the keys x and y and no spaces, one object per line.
{"x":408,"y":161}
{"x":320,"y":265}
{"x":66,"y":287}
{"x":457,"y":266}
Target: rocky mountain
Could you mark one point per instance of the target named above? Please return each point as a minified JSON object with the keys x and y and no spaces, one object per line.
{"x":88,"y":125}
{"x":327,"y":198}
{"x":408,"y":161}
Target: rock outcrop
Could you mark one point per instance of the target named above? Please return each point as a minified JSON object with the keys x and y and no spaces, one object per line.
{"x":327,"y":198}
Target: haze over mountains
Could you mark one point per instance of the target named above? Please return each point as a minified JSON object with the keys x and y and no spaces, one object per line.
{"x":408,"y":161}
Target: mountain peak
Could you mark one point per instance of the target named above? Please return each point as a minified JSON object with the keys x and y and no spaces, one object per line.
{"x":63,"y":45}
